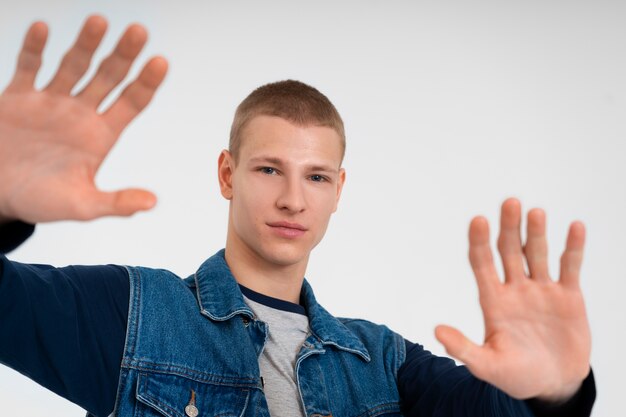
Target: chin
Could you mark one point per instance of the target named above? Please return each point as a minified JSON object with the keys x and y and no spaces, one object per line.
{"x":284,"y":254}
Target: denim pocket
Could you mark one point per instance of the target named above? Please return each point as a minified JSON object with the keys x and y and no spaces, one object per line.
{"x":160,"y":394}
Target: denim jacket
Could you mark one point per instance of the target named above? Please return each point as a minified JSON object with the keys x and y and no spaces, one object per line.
{"x":195,"y":343}
{"x":202,"y":356}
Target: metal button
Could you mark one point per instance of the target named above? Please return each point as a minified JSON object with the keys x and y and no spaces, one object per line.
{"x":191,"y":409}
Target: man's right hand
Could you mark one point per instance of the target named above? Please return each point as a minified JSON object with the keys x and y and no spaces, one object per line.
{"x":52,"y":142}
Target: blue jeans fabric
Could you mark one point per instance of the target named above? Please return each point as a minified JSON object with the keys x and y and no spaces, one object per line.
{"x":206,"y":346}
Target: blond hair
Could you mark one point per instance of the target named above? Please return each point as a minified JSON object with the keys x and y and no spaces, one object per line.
{"x":291,"y":100}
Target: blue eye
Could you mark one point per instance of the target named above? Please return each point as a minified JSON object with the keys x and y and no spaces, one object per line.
{"x":267,"y":170}
{"x":318,"y":178}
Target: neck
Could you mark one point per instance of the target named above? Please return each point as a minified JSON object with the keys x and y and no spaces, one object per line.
{"x":252,"y":271}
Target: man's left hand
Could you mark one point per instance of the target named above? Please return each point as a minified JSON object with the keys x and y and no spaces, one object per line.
{"x":537,"y":338}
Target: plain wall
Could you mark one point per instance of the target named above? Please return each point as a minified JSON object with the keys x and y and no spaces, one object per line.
{"x":450,"y":107}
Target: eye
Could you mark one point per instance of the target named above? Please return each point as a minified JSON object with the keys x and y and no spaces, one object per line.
{"x":318,"y":178}
{"x":267,"y":170}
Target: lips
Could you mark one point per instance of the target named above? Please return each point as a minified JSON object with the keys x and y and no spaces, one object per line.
{"x":287,"y":230}
{"x":288,"y":225}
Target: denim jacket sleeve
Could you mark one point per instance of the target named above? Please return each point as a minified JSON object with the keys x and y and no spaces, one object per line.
{"x":65,"y":327}
{"x":430,"y":385}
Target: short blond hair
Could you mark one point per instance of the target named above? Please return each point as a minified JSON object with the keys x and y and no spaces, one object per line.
{"x":291,"y":100}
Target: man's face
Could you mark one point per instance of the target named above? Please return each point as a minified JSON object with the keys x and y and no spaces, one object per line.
{"x":283,"y":189}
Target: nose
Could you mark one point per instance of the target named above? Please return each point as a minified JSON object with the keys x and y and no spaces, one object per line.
{"x":292,"y":197}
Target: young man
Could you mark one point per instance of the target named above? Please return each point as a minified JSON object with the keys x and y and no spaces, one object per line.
{"x":244,"y":335}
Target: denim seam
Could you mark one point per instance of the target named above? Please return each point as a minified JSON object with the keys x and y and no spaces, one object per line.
{"x":161,"y":406}
{"x":134,"y":312}
{"x":121,"y":383}
{"x":363,"y":355}
{"x":155,"y":401}
{"x":196,"y":376}
{"x":380,"y":409}
{"x":205,"y":312}
{"x":245,"y":406}
{"x":401,"y":349}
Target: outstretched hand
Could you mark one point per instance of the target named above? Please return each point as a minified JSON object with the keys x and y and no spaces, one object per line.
{"x":52,"y":142}
{"x":537,"y":338}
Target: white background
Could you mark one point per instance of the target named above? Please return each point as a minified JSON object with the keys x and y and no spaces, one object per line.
{"x":450,"y":107}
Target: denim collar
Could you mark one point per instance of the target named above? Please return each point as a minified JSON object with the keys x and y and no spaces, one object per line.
{"x":220,"y":299}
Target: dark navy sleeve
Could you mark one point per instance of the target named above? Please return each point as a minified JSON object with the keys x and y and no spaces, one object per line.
{"x":65,"y":328}
{"x":579,"y":405}
{"x":431,"y":385}
{"x":13,"y":234}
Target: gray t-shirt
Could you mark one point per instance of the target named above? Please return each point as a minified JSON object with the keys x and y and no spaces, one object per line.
{"x":287,"y":330}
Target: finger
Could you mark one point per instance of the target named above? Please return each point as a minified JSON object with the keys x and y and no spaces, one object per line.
{"x":536,"y":249}
{"x":480,"y":256}
{"x":120,"y":203}
{"x":136,"y":95}
{"x":509,"y":241}
{"x":76,"y":61}
{"x":29,"y":59}
{"x":460,"y":347}
{"x":114,"y":68}
{"x":572,"y":257}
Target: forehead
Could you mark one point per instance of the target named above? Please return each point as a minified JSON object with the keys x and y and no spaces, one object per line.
{"x":272,"y":136}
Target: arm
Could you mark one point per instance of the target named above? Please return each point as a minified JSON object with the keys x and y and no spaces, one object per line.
{"x":537,"y":338}
{"x":13,"y":234}
{"x":430,"y":385}
{"x":65,"y":327}
{"x":579,"y":405}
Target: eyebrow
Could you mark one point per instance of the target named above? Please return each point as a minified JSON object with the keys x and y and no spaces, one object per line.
{"x":280,"y":162}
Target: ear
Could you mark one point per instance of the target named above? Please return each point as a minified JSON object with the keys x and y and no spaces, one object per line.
{"x":340,"y":182}
{"x":225,"y":169}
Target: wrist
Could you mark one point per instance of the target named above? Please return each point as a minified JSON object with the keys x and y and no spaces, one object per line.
{"x":5,"y":220}
{"x":563,"y":394}
{"x":561,"y":397}
{"x":579,"y":405}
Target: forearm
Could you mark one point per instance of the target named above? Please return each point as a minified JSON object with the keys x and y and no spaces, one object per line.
{"x":64,"y":328}
{"x":431,"y":385}
{"x":438,"y":387}
{"x":579,"y":405}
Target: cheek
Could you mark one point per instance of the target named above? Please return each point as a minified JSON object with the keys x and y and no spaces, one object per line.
{"x":252,"y":198}
{"x":322,"y":205}
{"x":261,"y":192}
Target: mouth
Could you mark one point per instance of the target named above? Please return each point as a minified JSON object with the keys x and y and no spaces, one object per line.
{"x":287,"y":229}
{"x":288,"y":225}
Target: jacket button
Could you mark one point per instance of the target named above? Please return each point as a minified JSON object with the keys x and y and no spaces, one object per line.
{"x":191,"y":411}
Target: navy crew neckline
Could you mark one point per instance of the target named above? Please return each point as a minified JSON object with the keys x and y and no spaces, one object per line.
{"x":272,"y":302}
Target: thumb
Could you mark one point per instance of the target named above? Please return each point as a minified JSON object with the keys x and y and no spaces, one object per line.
{"x":123,"y":202}
{"x":457,"y":345}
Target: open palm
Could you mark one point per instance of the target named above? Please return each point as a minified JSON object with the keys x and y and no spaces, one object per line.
{"x":53,"y":141}
{"x":537,"y":339}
